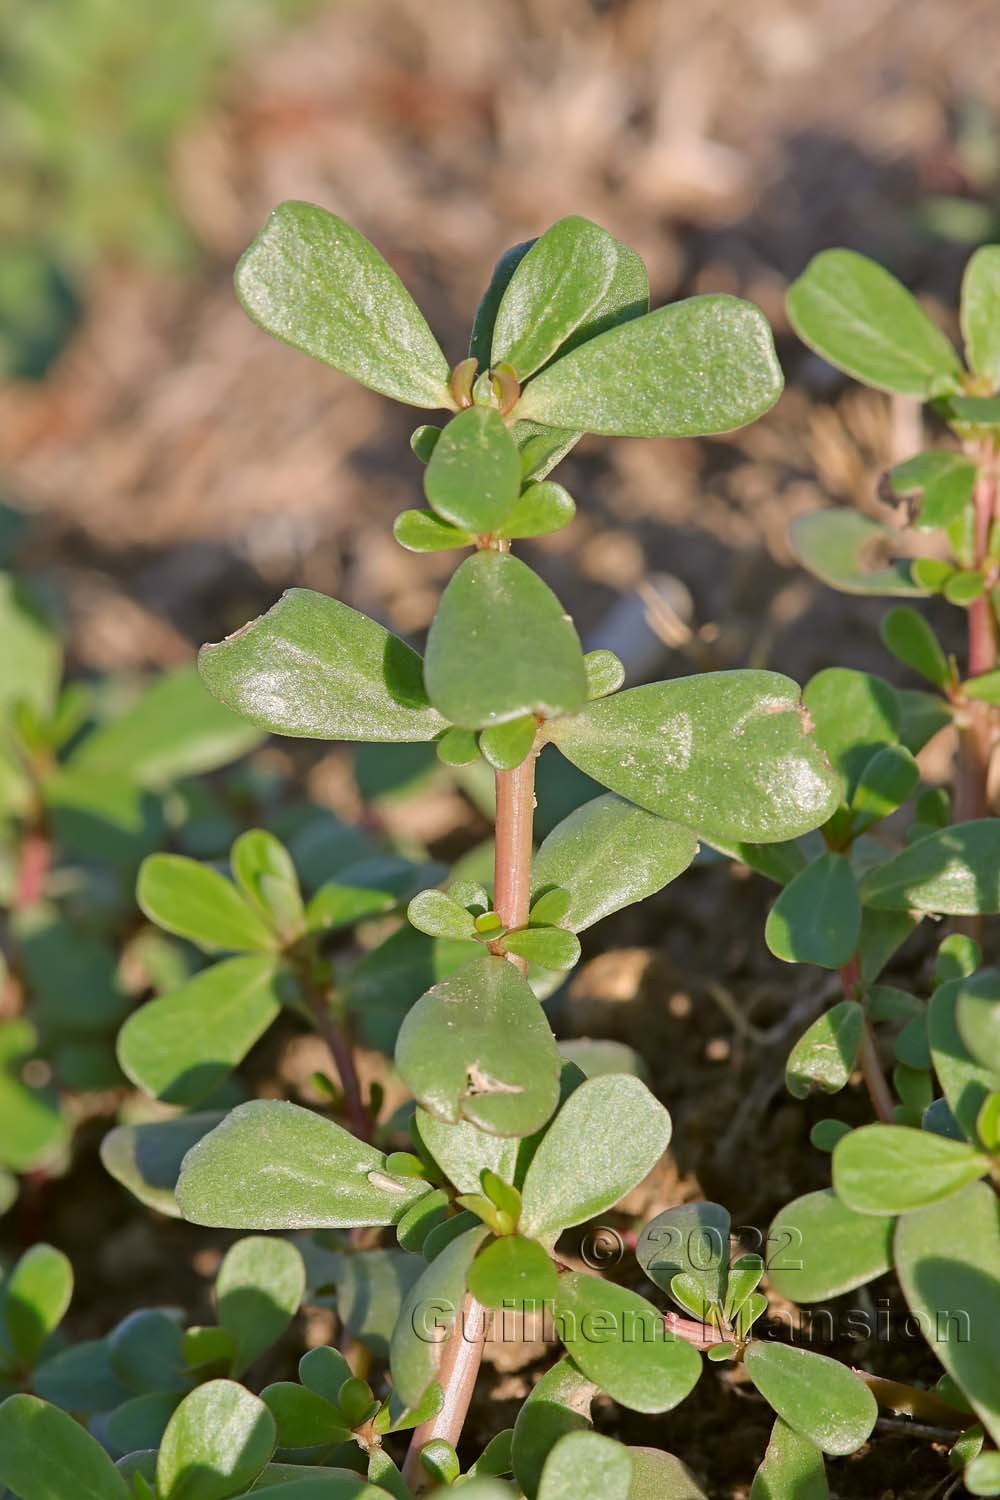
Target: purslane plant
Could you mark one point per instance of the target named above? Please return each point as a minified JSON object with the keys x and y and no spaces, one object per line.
{"x":509,"y":1145}
{"x":84,"y":794}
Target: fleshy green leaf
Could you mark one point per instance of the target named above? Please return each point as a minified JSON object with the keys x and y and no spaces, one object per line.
{"x":265,"y":872}
{"x":691,"y":1240}
{"x":34,"y":1129}
{"x":146,"y":1158}
{"x":954,"y":871}
{"x":506,"y":745}
{"x":474,"y":476}
{"x":483,"y":324}
{"x":542,"y":509}
{"x":139,"y":1424}
{"x":556,"y":286}
{"x":817,"y":917}
{"x":819,"y":1248}
{"x":368,"y":1294}
{"x":942,"y":480}
{"x":909,"y":637}
{"x":965,"y":1082}
{"x":726,"y":753}
{"x":313,"y":668}
{"x":303,"y":1419}
{"x":584,"y":1463}
{"x":217,"y":1442}
{"x":478,"y":1047}
{"x":513,"y":1272}
{"x":609,"y":1134}
{"x":557,"y":1405}
{"x":607,"y":855}
{"x":888,"y":780}
{"x":194,"y":901}
{"x":825,"y":1055}
{"x":435,"y":913}
{"x":549,"y":947}
{"x":620,"y":1341}
{"x":850,"y":553}
{"x":891,"y":1169}
{"x":34,"y":1299}
{"x":703,"y":365}
{"x":423,"y":531}
{"x":478,"y":671}
{"x":605,"y":673}
{"x":948,"y":1263}
{"x":175,"y":729}
{"x":46,"y":1455}
{"x":981,"y":313}
{"x":985,"y":688}
{"x":79,"y":1378}
{"x":181,"y":1046}
{"x":854,"y":716}
{"x":312,"y":281}
{"x":792,"y":1469}
{"x":819,"y":1398}
{"x":319,"y":1176}
{"x":863,"y":321}
{"x":660,"y":1476}
{"x":428,"y":1315}
{"x":978,"y":1015}
{"x":464,"y":1152}
{"x":146,"y":1351}
{"x":257,"y":1293}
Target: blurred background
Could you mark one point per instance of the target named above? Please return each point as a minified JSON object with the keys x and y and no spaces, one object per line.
{"x":169,"y":469}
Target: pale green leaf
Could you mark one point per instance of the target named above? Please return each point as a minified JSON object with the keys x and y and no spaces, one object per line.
{"x":257,"y":1293}
{"x":558,"y":1404}
{"x":215,"y":1445}
{"x":146,"y":1158}
{"x":473,"y":478}
{"x":46,"y":1455}
{"x":981,"y":313}
{"x":428,"y":1315}
{"x":194,"y":901}
{"x":966,"y":1083}
{"x":818,"y":1248}
{"x":819,"y":1398}
{"x":792,"y":1469}
{"x":850,"y":553}
{"x":34,"y":1299}
{"x":620,"y":1341}
{"x":891,"y":1169}
{"x":954,"y":872}
{"x":583,"y":1463}
{"x":817,"y":917}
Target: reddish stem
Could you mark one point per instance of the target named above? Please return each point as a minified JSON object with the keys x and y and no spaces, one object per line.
{"x":976,"y":732}
{"x":878,"y":1088}
{"x":463,"y":1352}
{"x":336,"y":1035}
{"x":32,"y":868}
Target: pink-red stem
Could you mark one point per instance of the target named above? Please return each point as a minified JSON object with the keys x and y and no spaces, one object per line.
{"x":876,"y":1083}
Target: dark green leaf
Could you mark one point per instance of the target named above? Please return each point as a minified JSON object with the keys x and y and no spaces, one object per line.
{"x":194,"y":901}
{"x":558,"y":1404}
{"x":966,"y":1082}
{"x":862,"y":320}
{"x":34,"y":1130}
{"x":583,"y":1463}
{"x":139,"y":1423}
{"x":175,"y":729}
{"x":478,"y":671}
{"x":793,"y":1468}
{"x":46,"y":1455}
{"x":181,"y":1046}
{"x":620,"y":1341}
{"x":948,"y":1262}
{"x":660,"y":1476}
{"x":428,"y":1315}
{"x":541,"y":447}
{"x":312,"y":281}
{"x":954,"y":871}
{"x":474,"y":476}
{"x":825,"y":1056}
{"x":609,"y":1134}
{"x":513,"y":1272}
{"x":486,"y":313}
{"x":891,"y":1169}
{"x":368,"y":1295}
{"x":888,"y":780}
{"x":478,"y":1047}
{"x":146,"y":1351}
{"x":704,"y":365}
{"x":257,"y":1293}
{"x":691,"y":1240}
{"x":818,"y":1248}
{"x":909,"y":637}
{"x":303,"y":1418}
{"x":318,"y":1176}
{"x":727,"y":754}
{"x":79,"y":1378}
{"x":146,"y":1158}
{"x":32,"y":654}
{"x":607,"y":855}
{"x":985,"y":688}
{"x":817,"y":917}
{"x":418,"y":1221}
{"x":850,"y":553}
{"x":981,"y":313}
{"x":313,"y":668}
{"x":217,"y":1442}
{"x":854,"y":716}
{"x":978,"y":1015}
{"x":819,"y":1398}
